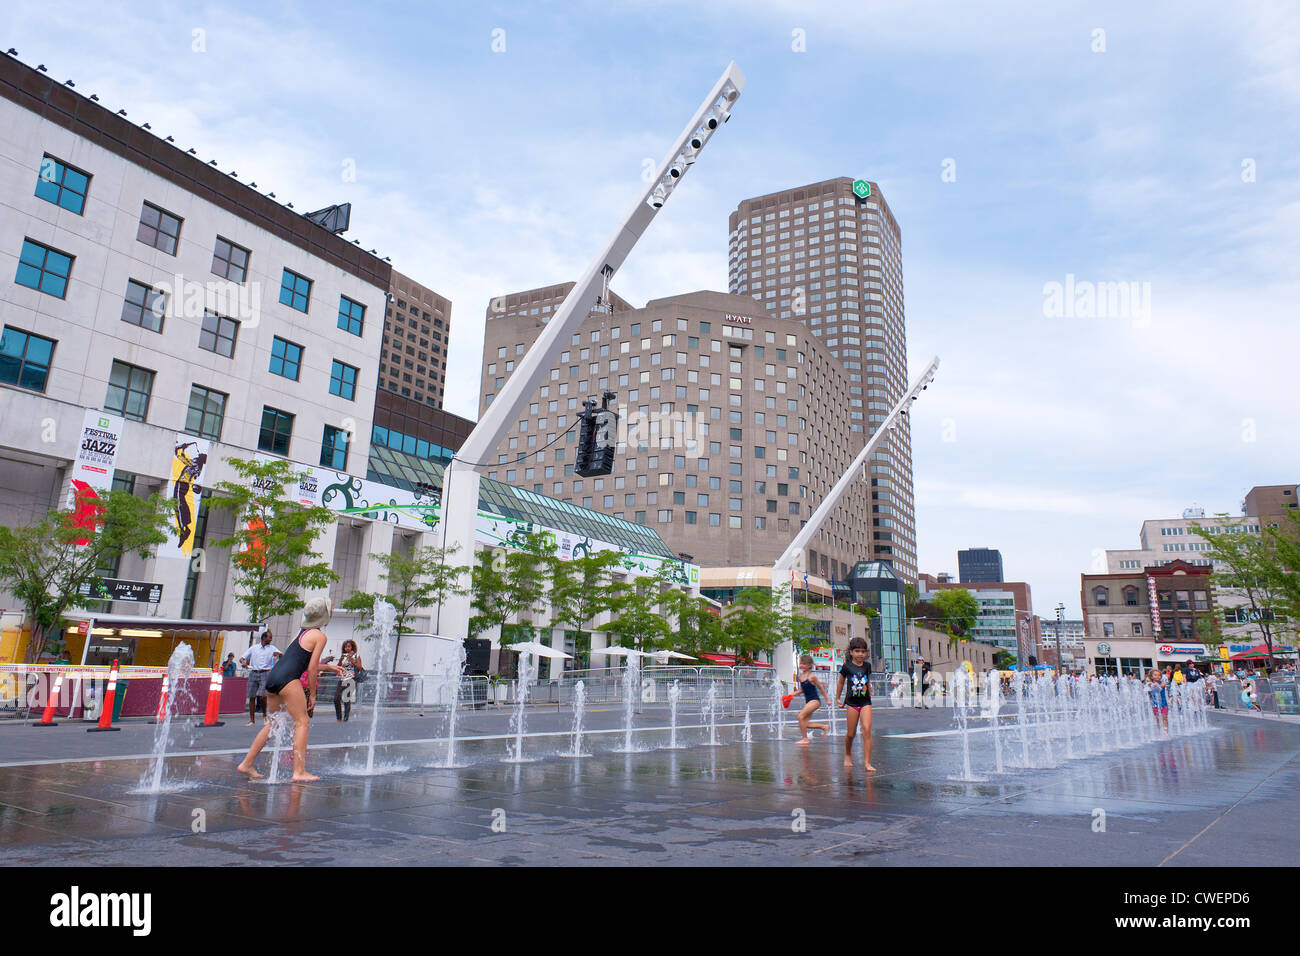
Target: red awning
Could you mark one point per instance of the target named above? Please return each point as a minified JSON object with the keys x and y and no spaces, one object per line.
{"x":731,"y":660}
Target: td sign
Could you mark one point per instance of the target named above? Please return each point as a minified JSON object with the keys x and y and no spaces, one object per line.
{"x":861,"y":188}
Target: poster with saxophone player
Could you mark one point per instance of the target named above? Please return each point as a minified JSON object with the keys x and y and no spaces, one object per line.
{"x":189,"y":459}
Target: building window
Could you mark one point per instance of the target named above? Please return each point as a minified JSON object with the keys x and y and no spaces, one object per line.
{"x":1108,"y":629}
{"x":1101,"y":597}
{"x":143,"y":306}
{"x":352,"y":315}
{"x":334,"y":448}
{"x":44,"y":269}
{"x":1131,"y":597}
{"x":218,"y":334}
{"x":159,"y":228}
{"x":343,"y":380}
{"x":277,"y":427}
{"x":62,"y":185}
{"x":128,"y":391}
{"x":25,"y":359}
{"x":206,"y":413}
{"x":286,"y":358}
{"x":229,"y":260}
{"x":295,"y":290}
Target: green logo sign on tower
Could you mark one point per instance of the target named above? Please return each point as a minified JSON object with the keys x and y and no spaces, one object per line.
{"x":861,"y":188}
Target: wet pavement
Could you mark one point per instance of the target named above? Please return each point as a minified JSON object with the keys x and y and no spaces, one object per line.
{"x":1209,"y":799}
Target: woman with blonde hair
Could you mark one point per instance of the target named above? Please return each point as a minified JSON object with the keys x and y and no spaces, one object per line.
{"x":283,"y":689}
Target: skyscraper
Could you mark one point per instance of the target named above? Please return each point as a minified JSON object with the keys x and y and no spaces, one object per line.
{"x":822,"y":255}
{"x":979,"y":565}
{"x":417,"y":333}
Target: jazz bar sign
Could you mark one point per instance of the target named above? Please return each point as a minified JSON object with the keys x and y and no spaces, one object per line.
{"x":739,"y":319}
{"x":113,"y":589}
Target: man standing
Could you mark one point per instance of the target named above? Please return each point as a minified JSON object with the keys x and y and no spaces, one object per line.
{"x":259,"y":660}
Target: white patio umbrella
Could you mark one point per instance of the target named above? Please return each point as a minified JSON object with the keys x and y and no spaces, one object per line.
{"x":664,"y":655}
{"x":538,"y":649}
{"x":621,"y":652}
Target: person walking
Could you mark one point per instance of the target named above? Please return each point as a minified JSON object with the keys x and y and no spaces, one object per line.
{"x":259,"y":660}
{"x":810,"y":685}
{"x":285,"y":692}
{"x":345,"y":694}
{"x":853,"y":693}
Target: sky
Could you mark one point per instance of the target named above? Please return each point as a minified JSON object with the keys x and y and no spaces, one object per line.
{"x":495,"y":147}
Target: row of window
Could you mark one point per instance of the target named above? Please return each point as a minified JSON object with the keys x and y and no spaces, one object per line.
{"x":25,"y":357}
{"x":25,"y":362}
{"x":48,"y":270}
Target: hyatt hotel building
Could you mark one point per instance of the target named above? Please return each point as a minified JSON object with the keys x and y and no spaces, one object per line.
{"x":735,"y":423}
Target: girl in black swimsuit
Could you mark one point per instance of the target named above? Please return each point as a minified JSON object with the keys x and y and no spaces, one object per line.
{"x":283,"y":688}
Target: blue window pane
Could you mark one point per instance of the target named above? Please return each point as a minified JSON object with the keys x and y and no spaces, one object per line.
{"x":54,"y":285}
{"x":47,"y":190}
{"x":38,"y":350}
{"x":75,"y":181}
{"x":32,"y":253}
{"x":12,"y":342}
{"x":408,"y":444}
{"x":28,"y":276}
{"x":58,"y":263}
{"x":422,"y":448}
{"x":380,"y":435}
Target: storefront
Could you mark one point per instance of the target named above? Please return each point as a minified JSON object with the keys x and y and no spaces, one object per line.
{"x":140,"y":641}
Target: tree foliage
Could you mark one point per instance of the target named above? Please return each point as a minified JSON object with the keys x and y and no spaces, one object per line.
{"x":422,"y":580}
{"x":760,"y":619}
{"x":44,"y":567}
{"x":958,"y":610}
{"x":1254,"y":567}
{"x":273,"y":540}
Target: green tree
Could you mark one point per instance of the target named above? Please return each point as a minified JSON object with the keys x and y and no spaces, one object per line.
{"x":43,"y":565}
{"x":637,"y":620}
{"x":1250,"y":566}
{"x":1004,"y":660}
{"x":274,"y":538}
{"x":581,"y":589}
{"x":508,"y":586}
{"x":1285,"y":539}
{"x":696,"y":626}
{"x":420,"y":581}
{"x":761,"y":618}
{"x":958,"y":610}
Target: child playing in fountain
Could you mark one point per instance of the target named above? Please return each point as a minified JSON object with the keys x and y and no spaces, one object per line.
{"x":283,"y":689}
{"x":1159,"y":700}
{"x":810,"y":685}
{"x":856,"y":699}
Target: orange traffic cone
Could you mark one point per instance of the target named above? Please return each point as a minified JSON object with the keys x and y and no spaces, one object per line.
{"x":213,"y":710}
{"x":106,"y":715}
{"x":47,"y":718}
{"x":162,"y":703}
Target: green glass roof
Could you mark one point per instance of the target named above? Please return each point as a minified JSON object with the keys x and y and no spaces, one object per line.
{"x":401,"y":470}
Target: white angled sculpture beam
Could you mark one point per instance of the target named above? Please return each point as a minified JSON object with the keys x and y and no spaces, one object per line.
{"x":461,"y":482}
{"x":784,"y":656}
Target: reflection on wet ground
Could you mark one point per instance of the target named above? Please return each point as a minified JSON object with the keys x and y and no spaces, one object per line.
{"x":766,"y":802}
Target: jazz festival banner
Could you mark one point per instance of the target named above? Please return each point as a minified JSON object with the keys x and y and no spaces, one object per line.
{"x":92,"y":471}
{"x":189,"y":459}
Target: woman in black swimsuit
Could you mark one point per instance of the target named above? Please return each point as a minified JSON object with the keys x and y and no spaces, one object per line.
{"x":283,"y":688}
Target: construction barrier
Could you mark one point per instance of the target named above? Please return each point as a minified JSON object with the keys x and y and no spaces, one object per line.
{"x":214,"y":702}
{"x":106,"y":715}
{"x":47,"y":718}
